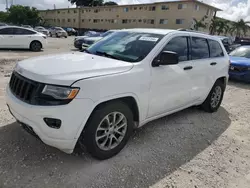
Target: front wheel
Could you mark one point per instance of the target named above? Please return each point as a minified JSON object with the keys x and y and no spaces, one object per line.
{"x":214,"y":99}
{"x":108,"y":130}
{"x":35,"y":46}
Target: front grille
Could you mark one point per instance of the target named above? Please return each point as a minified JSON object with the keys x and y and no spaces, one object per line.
{"x":23,"y":88}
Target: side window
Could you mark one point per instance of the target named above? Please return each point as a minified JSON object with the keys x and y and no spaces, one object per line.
{"x":180,"y":46}
{"x":215,"y":49}
{"x":200,"y":48}
{"x":6,"y":31}
{"x":19,"y":31}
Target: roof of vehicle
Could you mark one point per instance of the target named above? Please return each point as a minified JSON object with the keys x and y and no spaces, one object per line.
{"x":167,"y":31}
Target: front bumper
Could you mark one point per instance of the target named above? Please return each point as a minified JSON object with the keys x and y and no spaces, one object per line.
{"x":241,"y":76}
{"x":72,"y":115}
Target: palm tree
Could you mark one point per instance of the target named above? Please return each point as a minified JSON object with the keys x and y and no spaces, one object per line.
{"x":239,"y":27}
{"x":200,"y":23}
{"x":213,"y":26}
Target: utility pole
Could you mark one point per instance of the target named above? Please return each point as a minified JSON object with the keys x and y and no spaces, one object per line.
{"x":7,"y":6}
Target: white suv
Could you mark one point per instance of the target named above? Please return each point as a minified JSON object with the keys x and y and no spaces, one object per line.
{"x":97,"y":97}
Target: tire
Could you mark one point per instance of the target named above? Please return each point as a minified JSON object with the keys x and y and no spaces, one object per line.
{"x":65,"y":37}
{"x":209,"y":105}
{"x":57,"y":35}
{"x":35,"y":46}
{"x":98,"y":125}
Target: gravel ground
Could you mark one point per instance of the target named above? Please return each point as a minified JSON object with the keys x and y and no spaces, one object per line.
{"x":190,"y":148}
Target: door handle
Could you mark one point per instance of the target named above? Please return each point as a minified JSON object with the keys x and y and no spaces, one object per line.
{"x":188,"y":68}
{"x":213,"y":63}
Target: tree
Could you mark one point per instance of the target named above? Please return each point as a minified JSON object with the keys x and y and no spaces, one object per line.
{"x":240,"y":27}
{"x":213,"y":26}
{"x":3,"y":16}
{"x":87,"y":3}
{"x":110,"y":3}
{"x":200,"y":23}
{"x":23,"y":15}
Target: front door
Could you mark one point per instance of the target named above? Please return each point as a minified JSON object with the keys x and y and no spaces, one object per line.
{"x":171,"y":85}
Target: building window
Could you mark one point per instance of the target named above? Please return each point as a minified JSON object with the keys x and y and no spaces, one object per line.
{"x":63,"y":20}
{"x":96,"y":11}
{"x":182,"y":6}
{"x":74,"y":20}
{"x":96,"y":20}
{"x":134,"y":20}
{"x":196,"y":7}
{"x":135,"y":8}
{"x":75,"y":11}
{"x":140,"y":8}
{"x":125,"y":9}
{"x":68,"y":11}
{"x":82,"y":11}
{"x":54,"y":20}
{"x":89,"y":20}
{"x":139,"y":20}
{"x":58,"y":20}
{"x":115,"y":21}
{"x":58,"y":12}
{"x":144,"y":21}
{"x":163,"y":21}
{"x":145,"y":8}
{"x":179,"y":21}
{"x":101,"y":20}
{"x":151,"y":21}
{"x":82,"y":20}
{"x":69,"y":20}
{"x":124,"y":21}
{"x":212,"y":13}
{"x":152,"y":8}
{"x":164,"y":7}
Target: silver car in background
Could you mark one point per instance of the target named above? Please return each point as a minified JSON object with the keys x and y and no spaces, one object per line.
{"x":42,"y":30}
{"x":58,"y":32}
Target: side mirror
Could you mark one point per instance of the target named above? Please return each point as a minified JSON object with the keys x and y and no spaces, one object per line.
{"x":166,"y":58}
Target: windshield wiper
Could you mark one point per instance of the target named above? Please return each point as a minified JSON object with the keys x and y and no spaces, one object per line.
{"x":106,"y":55}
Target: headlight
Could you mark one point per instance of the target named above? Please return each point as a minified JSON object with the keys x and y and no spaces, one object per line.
{"x":59,"y":92}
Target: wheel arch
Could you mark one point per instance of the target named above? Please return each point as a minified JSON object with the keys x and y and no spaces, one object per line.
{"x":36,"y":41}
{"x":223,"y":79}
{"x":129,"y":100}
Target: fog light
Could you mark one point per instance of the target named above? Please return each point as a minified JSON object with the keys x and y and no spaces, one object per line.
{"x":53,"y":123}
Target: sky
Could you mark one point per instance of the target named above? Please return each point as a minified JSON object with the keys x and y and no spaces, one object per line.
{"x":232,"y":9}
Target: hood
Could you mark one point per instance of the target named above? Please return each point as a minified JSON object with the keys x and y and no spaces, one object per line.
{"x":93,"y":38}
{"x":64,"y":69}
{"x":240,"y":61}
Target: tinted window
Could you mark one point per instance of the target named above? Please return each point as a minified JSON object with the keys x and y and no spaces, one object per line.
{"x":199,"y":48}
{"x":215,"y":49}
{"x":6,"y":31}
{"x":19,"y":31}
{"x":180,"y":46}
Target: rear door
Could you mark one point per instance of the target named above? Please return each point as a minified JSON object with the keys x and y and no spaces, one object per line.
{"x":6,"y":38}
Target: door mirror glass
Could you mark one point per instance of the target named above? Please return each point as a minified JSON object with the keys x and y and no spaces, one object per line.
{"x":168,"y":58}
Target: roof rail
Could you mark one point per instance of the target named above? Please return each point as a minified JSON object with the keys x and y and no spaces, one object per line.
{"x":190,"y":30}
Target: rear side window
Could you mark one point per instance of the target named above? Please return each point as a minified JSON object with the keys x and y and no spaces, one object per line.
{"x":215,"y":49}
{"x":19,"y":31}
{"x":200,"y":49}
{"x":180,"y":46}
{"x":6,"y":31}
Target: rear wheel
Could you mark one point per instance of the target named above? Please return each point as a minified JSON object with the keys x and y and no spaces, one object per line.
{"x":107,"y":130}
{"x":214,"y":99}
{"x":36,"y":46}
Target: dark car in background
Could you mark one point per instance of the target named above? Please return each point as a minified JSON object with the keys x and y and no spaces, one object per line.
{"x":242,"y":41}
{"x":80,"y":39}
{"x":228,"y":43}
{"x":71,"y":31}
{"x":240,"y":64}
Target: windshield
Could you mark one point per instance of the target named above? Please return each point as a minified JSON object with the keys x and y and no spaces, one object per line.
{"x":241,"y":52}
{"x":106,"y":33}
{"x":126,"y":46}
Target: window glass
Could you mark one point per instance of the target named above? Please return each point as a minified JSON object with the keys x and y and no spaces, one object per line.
{"x":126,"y":46}
{"x":179,"y":21}
{"x":19,"y":31}
{"x":199,"y":48}
{"x":163,"y":21}
{"x":215,"y":49}
{"x":178,"y":45}
{"x":6,"y":31}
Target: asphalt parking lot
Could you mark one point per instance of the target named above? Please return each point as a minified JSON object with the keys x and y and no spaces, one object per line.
{"x":190,"y":148}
